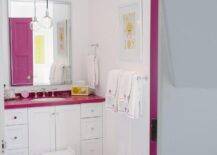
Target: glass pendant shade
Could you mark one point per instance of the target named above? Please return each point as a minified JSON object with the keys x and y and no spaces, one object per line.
{"x":34,"y":25}
{"x":47,"y":21}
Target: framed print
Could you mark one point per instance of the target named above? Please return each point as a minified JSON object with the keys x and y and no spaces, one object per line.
{"x":62,"y":36}
{"x":131,"y":31}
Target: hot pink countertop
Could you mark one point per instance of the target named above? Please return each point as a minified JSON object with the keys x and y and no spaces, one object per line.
{"x":28,"y":103}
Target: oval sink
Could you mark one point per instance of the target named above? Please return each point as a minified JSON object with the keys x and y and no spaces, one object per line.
{"x":48,"y":99}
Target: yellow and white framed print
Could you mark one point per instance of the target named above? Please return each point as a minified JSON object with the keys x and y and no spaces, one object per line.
{"x":131,"y":31}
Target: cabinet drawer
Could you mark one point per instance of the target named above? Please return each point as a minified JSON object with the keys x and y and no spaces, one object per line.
{"x":16,"y":137}
{"x":91,"y":147}
{"x":91,"y":110}
{"x":16,"y":117}
{"x":17,"y":152}
{"x":91,"y":128}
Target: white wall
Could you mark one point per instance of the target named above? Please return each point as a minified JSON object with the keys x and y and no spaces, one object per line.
{"x":80,"y":38}
{"x":5,"y":43}
{"x":120,"y":132}
{"x":192,"y":36}
{"x":187,"y":116}
{"x":1,"y":80}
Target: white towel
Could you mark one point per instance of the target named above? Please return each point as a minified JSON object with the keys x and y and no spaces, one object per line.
{"x":136,"y":97}
{"x":112,"y":87}
{"x":93,"y":71}
{"x":67,"y":74}
{"x":124,"y":89}
{"x":52,"y":73}
{"x":57,"y":72}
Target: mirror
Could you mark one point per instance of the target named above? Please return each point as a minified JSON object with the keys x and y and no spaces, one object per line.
{"x":39,"y":55}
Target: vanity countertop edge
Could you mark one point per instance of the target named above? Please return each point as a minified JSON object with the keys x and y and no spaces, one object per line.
{"x":28,"y":103}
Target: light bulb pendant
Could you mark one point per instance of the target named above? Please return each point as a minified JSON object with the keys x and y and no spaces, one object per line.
{"x":47,"y":21}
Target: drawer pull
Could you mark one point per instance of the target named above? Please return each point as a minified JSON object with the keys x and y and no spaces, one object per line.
{"x":92,"y":129}
{"x":15,"y":117}
{"x":15,"y":138}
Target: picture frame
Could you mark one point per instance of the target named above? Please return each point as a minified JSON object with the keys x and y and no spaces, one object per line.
{"x":131,"y":31}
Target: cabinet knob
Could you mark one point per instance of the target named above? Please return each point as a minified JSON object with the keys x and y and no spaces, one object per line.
{"x":15,"y":137}
{"x":15,"y":117}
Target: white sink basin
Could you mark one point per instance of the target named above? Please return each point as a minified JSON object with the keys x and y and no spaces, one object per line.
{"x":48,"y":99}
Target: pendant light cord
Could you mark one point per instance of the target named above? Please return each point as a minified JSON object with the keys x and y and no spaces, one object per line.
{"x":47,"y":4}
{"x":34,"y":8}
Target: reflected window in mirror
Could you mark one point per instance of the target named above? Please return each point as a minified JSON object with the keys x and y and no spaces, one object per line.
{"x":42,"y":56}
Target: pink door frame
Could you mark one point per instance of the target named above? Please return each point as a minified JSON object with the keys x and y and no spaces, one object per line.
{"x":154,"y":76}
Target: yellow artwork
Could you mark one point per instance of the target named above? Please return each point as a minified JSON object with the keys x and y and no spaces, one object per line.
{"x":39,"y":49}
{"x":131,"y":31}
{"x":61,"y":36}
{"x":129,"y":21}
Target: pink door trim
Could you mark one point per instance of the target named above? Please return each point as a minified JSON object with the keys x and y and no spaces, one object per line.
{"x":154,"y":73}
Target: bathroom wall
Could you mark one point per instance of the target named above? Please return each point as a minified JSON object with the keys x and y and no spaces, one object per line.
{"x":187,"y":115}
{"x":1,"y":80}
{"x":192,"y":37}
{"x":121,"y":133}
{"x":80,"y":38}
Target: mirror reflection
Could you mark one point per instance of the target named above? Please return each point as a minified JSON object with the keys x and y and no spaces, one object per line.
{"x":40,"y":42}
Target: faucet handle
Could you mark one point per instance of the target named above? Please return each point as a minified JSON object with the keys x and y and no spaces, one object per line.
{"x":44,"y":92}
{"x":53,"y":92}
{"x":36,"y":93}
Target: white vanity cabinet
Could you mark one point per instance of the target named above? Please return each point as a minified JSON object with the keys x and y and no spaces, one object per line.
{"x":41,"y":130}
{"x":54,"y":128}
{"x":91,"y":129}
{"x":33,"y":131}
{"x":68,"y":127}
{"x":16,"y":132}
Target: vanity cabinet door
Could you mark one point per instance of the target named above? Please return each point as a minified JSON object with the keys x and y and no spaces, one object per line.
{"x":68,"y":127}
{"x":92,"y":147}
{"x":91,"y":128}
{"x":17,"y":152}
{"x":41,"y":130}
{"x":16,"y":137}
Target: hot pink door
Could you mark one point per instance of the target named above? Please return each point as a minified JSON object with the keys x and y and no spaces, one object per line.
{"x":154,"y":76}
{"x":21,"y":47}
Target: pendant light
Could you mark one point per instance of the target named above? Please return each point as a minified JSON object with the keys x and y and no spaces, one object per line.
{"x":34,"y":25}
{"x":47,"y":21}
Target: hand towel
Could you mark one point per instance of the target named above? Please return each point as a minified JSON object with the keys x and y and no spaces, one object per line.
{"x":136,"y":97}
{"x":93,"y":71}
{"x":112,"y":87}
{"x":52,"y":73}
{"x":57,"y":72}
{"x":124,"y":89}
{"x":67,"y":75}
